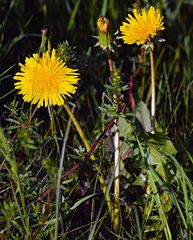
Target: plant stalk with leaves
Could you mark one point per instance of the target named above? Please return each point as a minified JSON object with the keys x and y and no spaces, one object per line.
{"x":105,"y":43}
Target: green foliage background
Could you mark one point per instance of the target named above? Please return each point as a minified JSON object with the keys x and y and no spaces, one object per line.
{"x":29,"y":157}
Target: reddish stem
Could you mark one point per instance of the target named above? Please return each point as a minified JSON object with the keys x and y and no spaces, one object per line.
{"x":93,"y":146}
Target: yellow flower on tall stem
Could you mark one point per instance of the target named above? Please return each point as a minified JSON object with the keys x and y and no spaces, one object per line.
{"x":143,"y":27}
{"x":45,"y":80}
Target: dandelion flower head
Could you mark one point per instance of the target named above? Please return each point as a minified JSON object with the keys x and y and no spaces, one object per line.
{"x":46,"y":80}
{"x":143,"y":27}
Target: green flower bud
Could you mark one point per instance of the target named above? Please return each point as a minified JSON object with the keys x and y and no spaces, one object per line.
{"x":103,"y":26}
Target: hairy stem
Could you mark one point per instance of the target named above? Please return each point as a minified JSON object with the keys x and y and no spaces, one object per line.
{"x":116,"y":213}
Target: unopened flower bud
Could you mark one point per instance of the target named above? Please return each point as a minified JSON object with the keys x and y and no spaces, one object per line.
{"x":103,"y":26}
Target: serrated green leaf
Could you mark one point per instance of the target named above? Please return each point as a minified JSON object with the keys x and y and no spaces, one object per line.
{"x":168,"y":147}
{"x":143,"y":115}
{"x":161,"y":143}
{"x":160,"y":148}
{"x":156,"y":158}
{"x":141,"y":180}
{"x":125,"y":128}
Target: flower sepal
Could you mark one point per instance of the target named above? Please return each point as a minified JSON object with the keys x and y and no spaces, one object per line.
{"x":148,"y":47}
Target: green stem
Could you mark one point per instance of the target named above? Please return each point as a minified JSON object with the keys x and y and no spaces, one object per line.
{"x":78,"y":128}
{"x":107,"y":195}
{"x":153,"y":95}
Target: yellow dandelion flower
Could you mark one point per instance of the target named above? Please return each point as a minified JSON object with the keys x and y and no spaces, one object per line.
{"x":142,"y":27}
{"x":46,"y":80}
